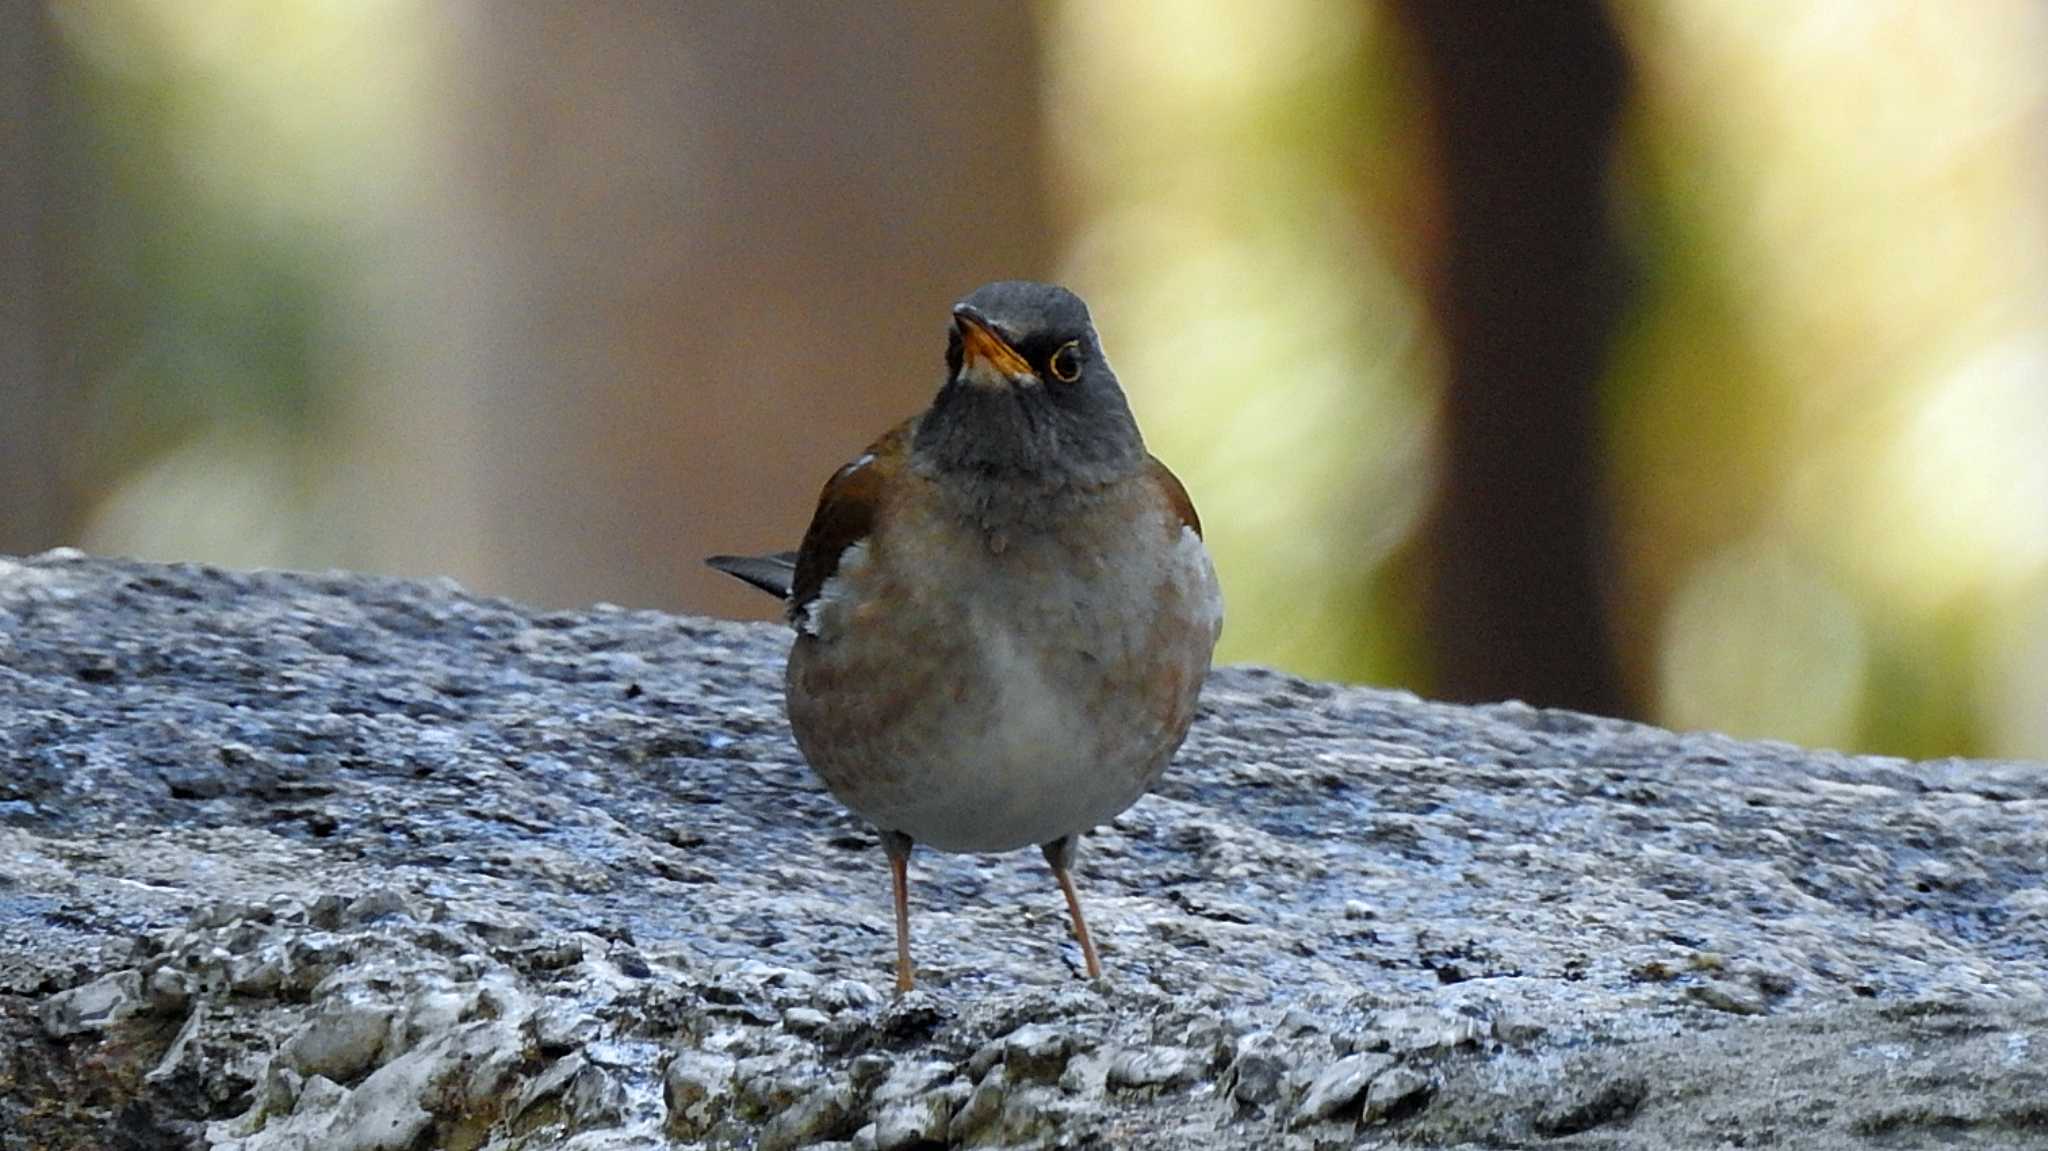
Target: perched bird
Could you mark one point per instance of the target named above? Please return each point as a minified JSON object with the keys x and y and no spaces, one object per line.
{"x":1004,"y":609}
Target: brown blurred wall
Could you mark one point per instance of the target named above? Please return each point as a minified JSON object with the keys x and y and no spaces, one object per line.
{"x":35,"y":506}
{"x":695,"y":256}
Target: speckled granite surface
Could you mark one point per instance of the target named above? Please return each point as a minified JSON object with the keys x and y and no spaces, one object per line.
{"x":335,"y":861}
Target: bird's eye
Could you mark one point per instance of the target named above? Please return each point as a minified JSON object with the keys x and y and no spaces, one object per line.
{"x":1066,"y":363}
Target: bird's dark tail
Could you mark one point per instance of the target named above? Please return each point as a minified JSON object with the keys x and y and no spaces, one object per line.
{"x":772,"y":574}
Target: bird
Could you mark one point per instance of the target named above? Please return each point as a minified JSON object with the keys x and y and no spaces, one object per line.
{"x":1004,"y":608}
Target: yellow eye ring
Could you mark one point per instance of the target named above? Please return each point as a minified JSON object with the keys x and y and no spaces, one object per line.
{"x":1065,"y":364}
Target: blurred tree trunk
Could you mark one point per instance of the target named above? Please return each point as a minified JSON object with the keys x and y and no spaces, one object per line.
{"x":1525,"y":98}
{"x":699,"y":253}
{"x":35,"y":511}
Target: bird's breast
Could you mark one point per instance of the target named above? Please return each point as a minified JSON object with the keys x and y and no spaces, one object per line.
{"x":981,"y":695}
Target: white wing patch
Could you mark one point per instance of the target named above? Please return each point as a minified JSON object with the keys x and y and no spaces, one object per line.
{"x":825,"y":616}
{"x":1191,"y":563}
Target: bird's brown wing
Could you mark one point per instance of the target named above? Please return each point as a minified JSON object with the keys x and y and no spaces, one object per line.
{"x":1176,"y":495}
{"x":846,"y":515}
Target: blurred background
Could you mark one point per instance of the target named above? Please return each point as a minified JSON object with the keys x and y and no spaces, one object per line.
{"x":1679,"y":359}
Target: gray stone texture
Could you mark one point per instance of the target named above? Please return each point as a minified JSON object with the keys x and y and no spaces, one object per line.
{"x":335,"y":861}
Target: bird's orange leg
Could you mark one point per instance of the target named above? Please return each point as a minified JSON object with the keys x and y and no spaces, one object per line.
{"x":1060,"y":854}
{"x":898,"y":847}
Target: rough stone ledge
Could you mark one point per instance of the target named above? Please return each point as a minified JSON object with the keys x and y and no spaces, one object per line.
{"x":333,"y":861}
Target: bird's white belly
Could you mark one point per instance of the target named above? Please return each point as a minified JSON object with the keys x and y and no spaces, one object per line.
{"x":1029,"y":766}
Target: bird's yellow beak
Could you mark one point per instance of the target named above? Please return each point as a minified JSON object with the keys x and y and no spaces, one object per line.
{"x":986,"y":358}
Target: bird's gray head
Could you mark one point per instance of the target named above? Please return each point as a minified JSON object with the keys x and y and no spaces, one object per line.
{"x":1028,"y":395}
